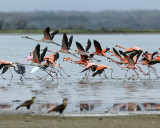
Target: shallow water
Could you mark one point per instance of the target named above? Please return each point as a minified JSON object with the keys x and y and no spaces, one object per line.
{"x":112,"y":96}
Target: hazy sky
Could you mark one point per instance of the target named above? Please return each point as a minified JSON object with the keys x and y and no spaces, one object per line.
{"x":79,"y":5}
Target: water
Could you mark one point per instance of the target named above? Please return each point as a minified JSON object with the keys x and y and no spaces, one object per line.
{"x":112,"y":96}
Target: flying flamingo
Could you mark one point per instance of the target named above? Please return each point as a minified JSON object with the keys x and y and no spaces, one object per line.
{"x":48,"y":36}
{"x":36,"y":56}
{"x":130,"y":64}
{"x":116,"y":54}
{"x":52,"y":63}
{"x":99,"y":50}
{"x":128,"y":50}
{"x":100,"y":69}
{"x":84,"y":50}
{"x":66,"y":44}
{"x":90,"y":67}
{"x":82,"y":62}
{"x":149,"y":60}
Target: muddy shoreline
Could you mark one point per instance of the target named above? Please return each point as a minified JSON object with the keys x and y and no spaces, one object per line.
{"x":36,"y":121}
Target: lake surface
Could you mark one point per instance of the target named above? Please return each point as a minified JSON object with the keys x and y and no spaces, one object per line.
{"x":112,"y":96}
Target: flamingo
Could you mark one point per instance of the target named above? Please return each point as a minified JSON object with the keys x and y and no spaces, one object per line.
{"x":66,"y":44}
{"x":116,"y":54}
{"x":90,"y":66}
{"x":128,"y":50}
{"x":52,"y":63}
{"x":100,"y":69}
{"x":149,"y":60}
{"x":131,"y":63}
{"x":99,"y":50}
{"x":81,"y":50}
{"x":83,"y":61}
{"x":84,"y":50}
{"x":6,"y":65}
{"x":36,"y":56}
{"x":48,"y":36}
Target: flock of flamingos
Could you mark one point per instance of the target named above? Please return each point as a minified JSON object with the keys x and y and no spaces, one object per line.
{"x":130,"y":59}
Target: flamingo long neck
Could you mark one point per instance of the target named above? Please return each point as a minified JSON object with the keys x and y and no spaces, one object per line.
{"x":121,"y":47}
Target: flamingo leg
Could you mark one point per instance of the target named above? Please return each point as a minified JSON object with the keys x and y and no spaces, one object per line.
{"x":149,"y":74}
{"x":132,"y":75}
{"x":88,"y":75}
{"x":48,"y":74}
{"x":136,"y":73}
{"x":140,"y":69}
{"x":111,"y":73}
{"x":11,"y":76}
{"x":96,"y":59}
{"x":3,"y":77}
{"x":126,"y":73}
{"x":105,"y":76}
{"x":24,"y":76}
{"x":21,"y":77}
{"x":60,"y":71}
{"x":64,"y":71}
{"x":56,"y":75}
{"x":155,"y":71}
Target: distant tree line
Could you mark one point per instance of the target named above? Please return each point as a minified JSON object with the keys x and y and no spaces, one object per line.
{"x":139,"y":19}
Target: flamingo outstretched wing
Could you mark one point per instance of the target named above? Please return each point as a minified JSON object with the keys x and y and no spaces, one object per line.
{"x":97,"y":46}
{"x":46,"y":33}
{"x":65,"y":41}
{"x":70,"y":42}
{"x":88,"y":45}
{"x":79,"y":46}
{"x":43,"y":54}
{"x":52,"y":34}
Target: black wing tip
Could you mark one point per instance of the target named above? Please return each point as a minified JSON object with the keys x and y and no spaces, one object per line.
{"x":47,"y":28}
{"x":121,"y":52}
{"x":107,"y":49}
{"x":95,"y":41}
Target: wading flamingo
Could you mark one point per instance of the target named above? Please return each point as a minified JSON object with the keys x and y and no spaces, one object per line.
{"x":131,"y":63}
{"x":100,"y":69}
{"x":52,"y":63}
{"x":90,"y":67}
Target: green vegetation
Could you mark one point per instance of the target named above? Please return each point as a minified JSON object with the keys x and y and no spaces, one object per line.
{"x":84,"y":31}
{"x":109,"y":21}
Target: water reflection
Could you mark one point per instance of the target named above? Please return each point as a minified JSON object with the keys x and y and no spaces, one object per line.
{"x":136,"y":107}
{"x":5,"y":106}
{"x":151,"y":106}
{"x":87,"y":107}
{"x":126,"y":107}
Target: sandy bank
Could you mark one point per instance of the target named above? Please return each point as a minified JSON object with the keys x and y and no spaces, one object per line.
{"x":34,"y":121}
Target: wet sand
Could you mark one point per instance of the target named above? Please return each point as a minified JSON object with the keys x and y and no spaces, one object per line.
{"x":35,"y":121}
